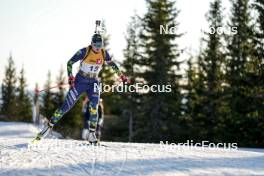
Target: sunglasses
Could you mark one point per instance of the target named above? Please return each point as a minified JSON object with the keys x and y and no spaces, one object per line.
{"x":98,"y":45}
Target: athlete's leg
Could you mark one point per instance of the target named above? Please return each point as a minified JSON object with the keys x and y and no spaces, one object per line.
{"x":86,"y":116}
{"x":94,"y":97}
{"x":72,"y":97}
{"x":70,"y":100}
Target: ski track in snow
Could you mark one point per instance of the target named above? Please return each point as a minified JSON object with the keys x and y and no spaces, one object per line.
{"x":72,"y":157}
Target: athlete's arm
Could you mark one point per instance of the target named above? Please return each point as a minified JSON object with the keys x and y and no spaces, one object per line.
{"x":79,"y":55}
{"x":112,"y":64}
{"x":116,"y":69}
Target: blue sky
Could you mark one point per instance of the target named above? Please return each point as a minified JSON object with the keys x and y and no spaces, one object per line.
{"x":42,"y":35}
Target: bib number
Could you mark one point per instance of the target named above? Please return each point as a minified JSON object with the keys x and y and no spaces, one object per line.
{"x":90,"y":68}
{"x":93,"y":68}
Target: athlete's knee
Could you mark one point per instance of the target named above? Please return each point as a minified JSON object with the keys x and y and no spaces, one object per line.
{"x":56,"y":116}
{"x":93,"y":116}
{"x":92,"y":125}
{"x":93,"y":108}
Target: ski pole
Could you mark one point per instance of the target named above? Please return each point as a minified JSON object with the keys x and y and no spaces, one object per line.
{"x":37,"y":91}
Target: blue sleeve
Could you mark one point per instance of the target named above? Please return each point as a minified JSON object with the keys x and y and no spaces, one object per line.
{"x":107,"y":56}
{"x":111,"y":63}
{"x":79,"y":55}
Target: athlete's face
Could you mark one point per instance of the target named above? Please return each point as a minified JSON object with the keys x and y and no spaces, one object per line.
{"x":96,"y":46}
{"x":95,"y":49}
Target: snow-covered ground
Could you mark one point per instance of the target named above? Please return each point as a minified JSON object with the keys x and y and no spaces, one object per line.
{"x":17,"y":130}
{"x":72,"y":157}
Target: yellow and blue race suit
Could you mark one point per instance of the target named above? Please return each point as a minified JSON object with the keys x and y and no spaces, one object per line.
{"x":87,"y":81}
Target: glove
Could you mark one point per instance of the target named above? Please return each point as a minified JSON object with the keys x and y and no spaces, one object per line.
{"x":124,"y":79}
{"x":71,"y":80}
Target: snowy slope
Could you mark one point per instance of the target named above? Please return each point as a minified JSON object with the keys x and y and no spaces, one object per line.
{"x":17,"y":129}
{"x":71,"y":157}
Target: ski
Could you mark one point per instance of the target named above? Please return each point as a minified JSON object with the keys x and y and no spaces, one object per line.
{"x":42,"y":134}
{"x":37,"y":138}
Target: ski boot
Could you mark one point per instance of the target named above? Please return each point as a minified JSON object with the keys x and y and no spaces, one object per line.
{"x":92,"y":138}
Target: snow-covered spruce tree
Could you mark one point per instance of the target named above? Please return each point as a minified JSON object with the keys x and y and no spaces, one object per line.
{"x":159,"y":62}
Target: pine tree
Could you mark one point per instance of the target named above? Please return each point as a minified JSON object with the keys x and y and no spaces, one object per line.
{"x":260,"y":34}
{"x":59,"y":96}
{"x":240,"y":65}
{"x":259,"y":6}
{"x":255,"y":74}
{"x":239,"y":47}
{"x":260,"y":43}
{"x":259,"y":39}
{"x":194,"y":108}
{"x":23,"y":100}
{"x":211,"y":74}
{"x":160,"y":61}
{"x":191,"y":101}
{"x":131,"y":52}
{"x":9,"y":90}
{"x":48,"y":99}
{"x":130,"y":101}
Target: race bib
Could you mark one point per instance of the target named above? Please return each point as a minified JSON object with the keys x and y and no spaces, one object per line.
{"x":91,"y":68}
